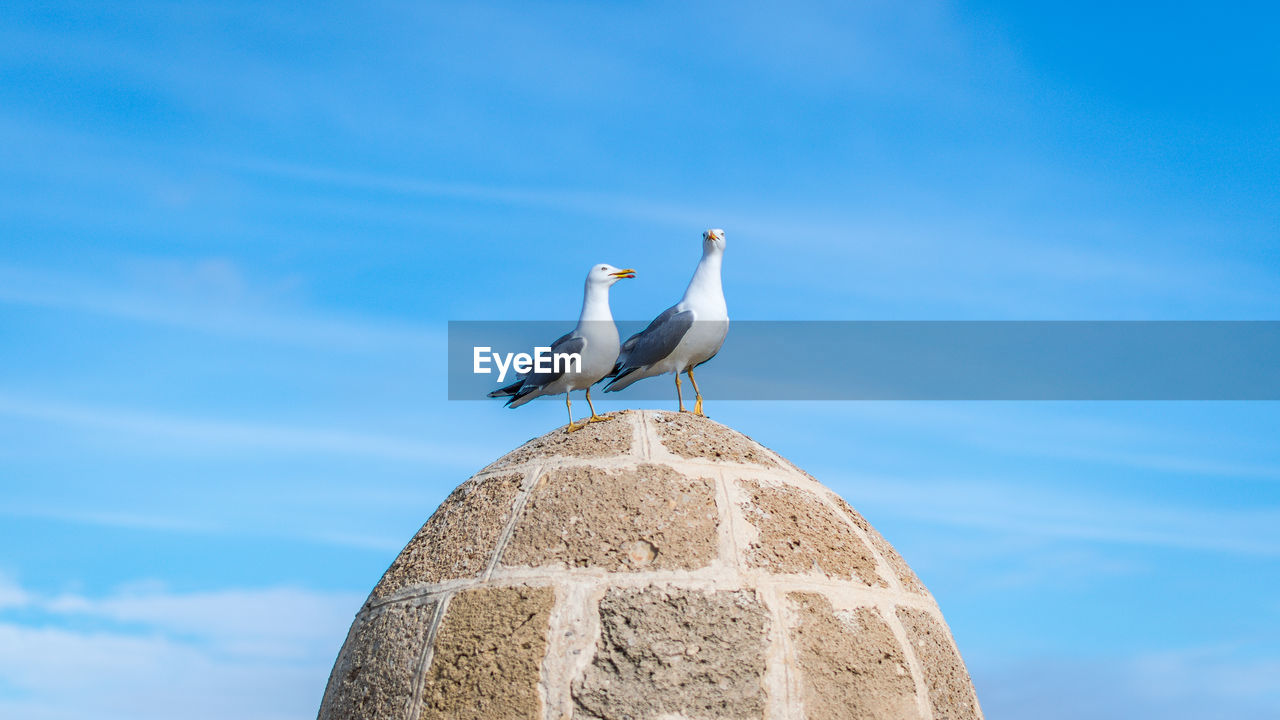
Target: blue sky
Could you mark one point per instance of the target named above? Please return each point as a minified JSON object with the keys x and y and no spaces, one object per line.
{"x":231,"y":235}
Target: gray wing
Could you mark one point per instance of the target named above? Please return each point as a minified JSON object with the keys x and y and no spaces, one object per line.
{"x":567,"y":343}
{"x":653,"y":343}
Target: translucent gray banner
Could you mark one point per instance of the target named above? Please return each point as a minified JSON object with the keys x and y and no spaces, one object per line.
{"x":934,"y":360}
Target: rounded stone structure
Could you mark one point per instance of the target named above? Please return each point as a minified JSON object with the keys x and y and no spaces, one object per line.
{"x":656,"y":566}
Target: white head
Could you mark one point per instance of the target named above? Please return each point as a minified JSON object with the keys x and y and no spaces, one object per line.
{"x":713,"y":239}
{"x":606,"y":275}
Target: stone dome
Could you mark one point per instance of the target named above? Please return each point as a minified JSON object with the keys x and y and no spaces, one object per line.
{"x":656,"y":566}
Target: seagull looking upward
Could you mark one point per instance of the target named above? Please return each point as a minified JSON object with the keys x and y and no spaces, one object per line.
{"x":595,"y":340}
{"x":684,"y":336}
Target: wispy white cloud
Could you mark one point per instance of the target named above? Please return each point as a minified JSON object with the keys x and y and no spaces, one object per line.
{"x":210,"y":296}
{"x":1177,"y":674}
{"x":12,"y":595}
{"x":1135,"y":442}
{"x":199,"y":433}
{"x":108,"y":518}
{"x":1183,"y":684}
{"x":55,"y":674}
{"x":262,"y":654}
{"x":282,"y":623}
{"x":1005,"y":506}
{"x":565,"y":199}
{"x":183,"y":522}
{"x":965,"y":263}
{"x":974,"y":564}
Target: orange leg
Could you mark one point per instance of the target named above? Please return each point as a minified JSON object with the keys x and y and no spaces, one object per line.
{"x":594,"y":417}
{"x":568,"y":407}
{"x":697,"y":404}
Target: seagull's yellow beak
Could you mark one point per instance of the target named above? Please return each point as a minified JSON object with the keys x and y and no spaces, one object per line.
{"x":628,"y":273}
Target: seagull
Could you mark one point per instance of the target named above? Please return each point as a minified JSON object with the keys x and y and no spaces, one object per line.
{"x":684,"y":336}
{"x":594,"y":340}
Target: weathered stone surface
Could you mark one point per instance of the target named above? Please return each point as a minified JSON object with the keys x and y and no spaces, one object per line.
{"x":690,"y":436}
{"x":646,"y":518}
{"x":668,"y":652}
{"x":487,"y":655}
{"x":695,"y":586}
{"x":459,"y":539}
{"x":597,"y":440}
{"x":800,"y":534}
{"x":906,"y":577}
{"x":851,"y":665}
{"x":377,"y":669}
{"x":950,"y":689}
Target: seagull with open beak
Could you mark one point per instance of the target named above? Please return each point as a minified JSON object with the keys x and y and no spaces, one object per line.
{"x":594,"y":341}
